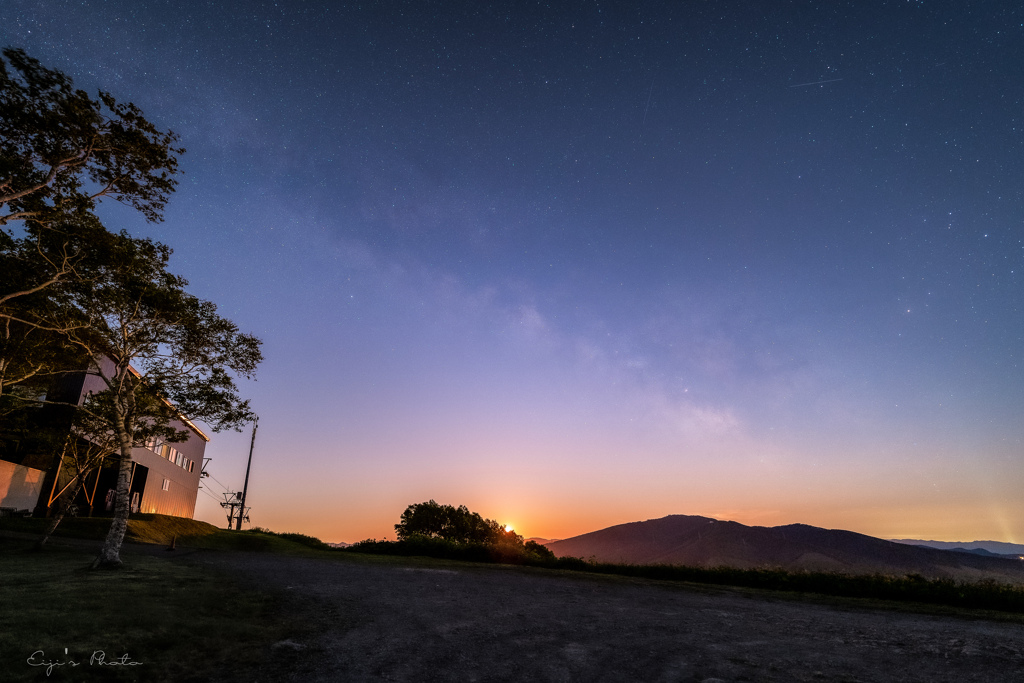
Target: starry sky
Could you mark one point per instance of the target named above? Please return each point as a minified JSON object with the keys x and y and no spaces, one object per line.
{"x":585,"y":263}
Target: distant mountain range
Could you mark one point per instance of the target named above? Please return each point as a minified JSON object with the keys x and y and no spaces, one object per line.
{"x":705,"y":542}
{"x":996,"y":547}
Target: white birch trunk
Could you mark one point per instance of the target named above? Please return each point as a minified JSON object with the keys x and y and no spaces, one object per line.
{"x":110,"y":554}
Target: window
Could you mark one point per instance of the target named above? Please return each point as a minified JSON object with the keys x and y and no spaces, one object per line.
{"x":191,"y":465}
{"x":178,"y":460}
{"x":167,"y":485}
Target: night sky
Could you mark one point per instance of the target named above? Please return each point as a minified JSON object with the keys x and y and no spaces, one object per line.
{"x":585,"y":263}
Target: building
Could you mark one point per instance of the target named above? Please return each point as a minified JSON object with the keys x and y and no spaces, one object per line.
{"x":33,"y":474}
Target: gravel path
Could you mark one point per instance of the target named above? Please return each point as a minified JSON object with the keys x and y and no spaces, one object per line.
{"x":370,"y":622}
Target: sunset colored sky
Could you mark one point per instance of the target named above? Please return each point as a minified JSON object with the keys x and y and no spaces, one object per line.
{"x":586,"y":263}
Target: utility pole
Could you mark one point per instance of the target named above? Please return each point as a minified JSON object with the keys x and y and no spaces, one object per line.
{"x":245,"y":487}
{"x":231,"y":501}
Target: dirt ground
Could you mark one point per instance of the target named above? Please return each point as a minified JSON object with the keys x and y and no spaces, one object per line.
{"x":372,"y":622}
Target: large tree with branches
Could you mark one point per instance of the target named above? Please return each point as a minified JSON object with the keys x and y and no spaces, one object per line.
{"x":72,"y":294}
{"x":61,"y":151}
{"x":160,"y":354}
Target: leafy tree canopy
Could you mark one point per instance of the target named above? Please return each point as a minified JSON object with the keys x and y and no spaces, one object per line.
{"x":61,"y":150}
{"x":39,"y":274}
{"x":543,"y":552}
{"x":433,"y":520}
{"x":160,"y":339}
{"x":60,"y":153}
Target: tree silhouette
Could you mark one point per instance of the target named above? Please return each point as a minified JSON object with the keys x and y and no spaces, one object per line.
{"x":61,"y":153}
{"x":456,"y":524}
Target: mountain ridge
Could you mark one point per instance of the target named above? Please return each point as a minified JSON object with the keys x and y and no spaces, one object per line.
{"x":996,"y":547}
{"x":702,"y":541}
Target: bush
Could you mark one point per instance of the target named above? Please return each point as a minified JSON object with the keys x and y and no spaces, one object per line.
{"x":542,"y":552}
{"x":301,"y":539}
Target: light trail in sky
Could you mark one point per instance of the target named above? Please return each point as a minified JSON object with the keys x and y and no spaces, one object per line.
{"x":830,"y":80}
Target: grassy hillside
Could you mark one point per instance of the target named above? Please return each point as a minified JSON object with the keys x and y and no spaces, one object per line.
{"x":163,"y":530}
{"x":141,"y":528}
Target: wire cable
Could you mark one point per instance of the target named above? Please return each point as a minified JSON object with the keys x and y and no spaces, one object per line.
{"x":226,"y":489}
{"x":207,"y":492}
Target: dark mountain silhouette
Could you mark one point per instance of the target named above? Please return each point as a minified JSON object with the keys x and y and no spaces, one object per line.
{"x":705,"y":542}
{"x":995,"y":547}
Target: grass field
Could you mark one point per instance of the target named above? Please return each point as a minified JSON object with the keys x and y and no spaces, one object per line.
{"x":177,"y":621}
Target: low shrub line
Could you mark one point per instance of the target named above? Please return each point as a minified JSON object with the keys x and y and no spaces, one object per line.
{"x":529,"y":554}
{"x":986,"y":594}
{"x":302,"y":539}
{"x":910,"y":588}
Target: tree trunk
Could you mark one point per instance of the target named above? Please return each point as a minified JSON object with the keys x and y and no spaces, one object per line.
{"x":110,"y":554}
{"x":62,"y":509}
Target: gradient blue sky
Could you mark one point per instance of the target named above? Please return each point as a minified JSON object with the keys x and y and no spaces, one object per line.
{"x":587,"y":263}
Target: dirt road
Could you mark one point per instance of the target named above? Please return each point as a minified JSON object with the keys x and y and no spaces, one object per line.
{"x":368,"y":622}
